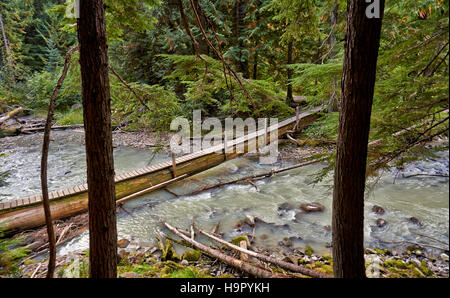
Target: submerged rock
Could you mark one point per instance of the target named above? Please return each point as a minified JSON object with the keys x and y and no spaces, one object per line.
{"x":123,"y":243}
{"x":312,"y":207}
{"x":286,"y":207}
{"x":415,"y":221}
{"x":381,"y":223}
{"x":378,"y":210}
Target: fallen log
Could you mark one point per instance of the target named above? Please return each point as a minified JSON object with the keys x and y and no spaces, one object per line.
{"x":10,"y":115}
{"x":253,"y":177}
{"x":245,"y":267}
{"x":282,"y":264}
{"x":10,"y":132}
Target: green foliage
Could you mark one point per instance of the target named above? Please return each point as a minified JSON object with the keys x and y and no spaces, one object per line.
{"x":163,"y":105}
{"x":10,"y":254}
{"x":71,"y":117}
{"x":208,"y":89}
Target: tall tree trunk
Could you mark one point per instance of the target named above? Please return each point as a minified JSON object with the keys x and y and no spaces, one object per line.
{"x":358,"y":81}
{"x":6,"y":44}
{"x":99,"y":153}
{"x":202,"y":45}
{"x":289,"y":97}
{"x":240,"y":10}
{"x":333,"y":104}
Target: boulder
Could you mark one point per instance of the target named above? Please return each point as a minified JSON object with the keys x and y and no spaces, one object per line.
{"x":123,"y":243}
{"x":312,"y":207}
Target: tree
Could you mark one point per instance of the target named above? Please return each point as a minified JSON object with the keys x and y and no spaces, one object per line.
{"x":358,"y":83}
{"x":98,"y":134}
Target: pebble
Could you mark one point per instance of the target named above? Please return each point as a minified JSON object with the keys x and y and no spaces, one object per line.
{"x":443,"y":257}
{"x":184,"y":263}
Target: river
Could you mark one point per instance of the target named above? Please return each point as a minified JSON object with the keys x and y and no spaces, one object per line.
{"x":275,"y":200}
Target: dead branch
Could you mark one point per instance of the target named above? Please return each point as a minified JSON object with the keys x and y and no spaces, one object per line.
{"x":10,"y":115}
{"x":253,"y":177}
{"x":44,"y":160}
{"x":245,"y":267}
{"x":219,"y":55}
{"x":282,"y":264}
{"x":141,"y":100}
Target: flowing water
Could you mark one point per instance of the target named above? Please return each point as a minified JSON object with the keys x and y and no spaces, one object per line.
{"x":275,"y":200}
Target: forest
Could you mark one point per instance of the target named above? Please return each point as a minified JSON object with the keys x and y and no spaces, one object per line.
{"x":377,"y":88}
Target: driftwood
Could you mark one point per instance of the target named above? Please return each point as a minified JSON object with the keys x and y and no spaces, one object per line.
{"x":282,"y":264}
{"x":245,"y":267}
{"x":10,"y":115}
{"x":150,"y":189}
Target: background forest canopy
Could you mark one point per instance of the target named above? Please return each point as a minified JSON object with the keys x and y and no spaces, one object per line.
{"x":276,"y":47}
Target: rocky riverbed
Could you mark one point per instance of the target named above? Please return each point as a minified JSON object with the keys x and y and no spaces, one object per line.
{"x":135,"y":261}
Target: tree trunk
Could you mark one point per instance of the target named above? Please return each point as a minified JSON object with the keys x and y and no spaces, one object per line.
{"x":6,"y":44}
{"x":333,"y":104}
{"x":239,"y":24}
{"x":358,"y":81}
{"x":99,"y":153}
{"x":202,"y":45}
{"x":289,"y":97}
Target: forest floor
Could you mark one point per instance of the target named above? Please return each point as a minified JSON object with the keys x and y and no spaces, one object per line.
{"x":148,"y":262}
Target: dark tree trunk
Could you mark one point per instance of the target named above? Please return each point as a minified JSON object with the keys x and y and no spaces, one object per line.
{"x":358,"y":81}
{"x":9,"y":57}
{"x":202,"y":45}
{"x":333,"y":104}
{"x":99,"y":153}
{"x":289,"y":97}
{"x":255,"y":66}
{"x":239,"y":24}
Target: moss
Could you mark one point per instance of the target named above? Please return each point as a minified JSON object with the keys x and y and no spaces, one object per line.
{"x":308,"y":251}
{"x":169,"y":252}
{"x":379,"y":251}
{"x":424,"y":268}
{"x":29,"y":262}
{"x":395,"y":263}
{"x":237,"y":240}
{"x":226,"y":275}
{"x":192,"y":255}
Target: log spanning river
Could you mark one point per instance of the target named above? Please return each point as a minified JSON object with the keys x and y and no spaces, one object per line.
{"x":402,"y":194}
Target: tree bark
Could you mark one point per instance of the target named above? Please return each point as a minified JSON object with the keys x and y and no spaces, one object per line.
{"x":289,"y":97}
{"x":358,"y":81}
{"x":6,"y":44}
{"x":239,"y":24}
{"x":99,"y":153}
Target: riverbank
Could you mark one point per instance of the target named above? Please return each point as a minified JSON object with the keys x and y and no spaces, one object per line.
{"x":150,"y":262}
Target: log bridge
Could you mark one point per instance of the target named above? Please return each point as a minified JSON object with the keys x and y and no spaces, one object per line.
{"x":27,"y":213}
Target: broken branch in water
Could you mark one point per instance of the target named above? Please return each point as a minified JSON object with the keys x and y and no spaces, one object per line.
{"x":245,"y":267}
{"x":282,"y":264}
{"x":253,"y":177}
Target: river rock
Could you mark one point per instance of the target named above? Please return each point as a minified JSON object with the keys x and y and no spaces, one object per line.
{"x":123,"y":243}
{"x":381,"y":223}
{"x":184,"y":263}
{"x":444,"y":257}
{"x":297,"y":217}
{"x":286,"y":207}
{"x":415,"y":221}
{"x":312,"y":207}
{"x":286,"y":243}
{"x":378,"y":210}
{"x":130,"y":275}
